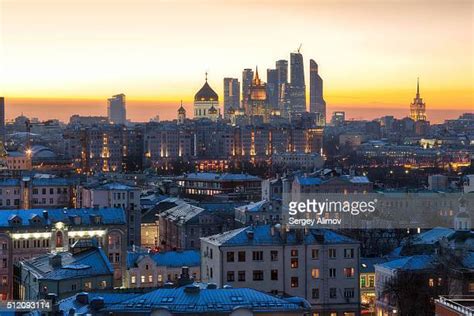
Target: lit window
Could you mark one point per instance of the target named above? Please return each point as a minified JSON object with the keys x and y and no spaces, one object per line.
{"x":134,"y":279}
{"x":315,"y":273}
{"x":349,"y":272}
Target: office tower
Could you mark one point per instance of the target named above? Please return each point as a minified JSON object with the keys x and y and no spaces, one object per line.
{"x":418,"y":107}
{"x":316,"y":101}
{"x":247,"y":77}
{"x":298,"y":88}
{"x":282,"y":73}
{"x":272,"y":88}
{"x":231,"y":95}
{"x":338,"y":118}
{"x":116,"y":109}
{"x":2,"y":119}
{"x":206,"y":103}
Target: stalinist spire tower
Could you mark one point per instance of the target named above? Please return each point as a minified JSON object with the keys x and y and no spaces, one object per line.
{"x":418,"y":107}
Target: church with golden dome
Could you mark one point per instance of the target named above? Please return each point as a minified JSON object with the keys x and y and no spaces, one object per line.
{"x":206,"y":103}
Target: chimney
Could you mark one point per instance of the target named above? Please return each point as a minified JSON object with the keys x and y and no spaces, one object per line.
{"x":82,"y":298}
{"x":192,"y":289}
{"x":45,"y":215}
{"x":55,"y":261}
{"x":250,"y":234}
{"x":272,"y":230}
{"x":97,"y":303}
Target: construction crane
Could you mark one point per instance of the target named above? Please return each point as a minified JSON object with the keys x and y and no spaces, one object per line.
{"x":299,"y":48}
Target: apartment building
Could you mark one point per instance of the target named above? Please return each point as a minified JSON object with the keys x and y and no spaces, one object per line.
{"x":118,"y":195}
{"x":26,"y":234}
{"x":319,"y":265}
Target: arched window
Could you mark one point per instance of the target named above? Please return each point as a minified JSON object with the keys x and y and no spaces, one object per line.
{"x":59,"y":239}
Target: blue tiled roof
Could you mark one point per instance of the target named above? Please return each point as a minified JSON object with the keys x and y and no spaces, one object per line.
{"x":368,"y":264}
{"x":418,"y":262}
{"x":309,"y":180}
{"x":190,"y":258}
{"x":89,"y":263}
{"x":50,"y":181}
{"x":207,"y":301}
{"x":109,"y":299}
{"x":262,"y":236}
{"x":108,"y":216}
{"x":9,"y":182}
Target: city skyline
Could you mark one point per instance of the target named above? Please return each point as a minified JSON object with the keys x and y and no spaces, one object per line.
{"x":77,"y":65}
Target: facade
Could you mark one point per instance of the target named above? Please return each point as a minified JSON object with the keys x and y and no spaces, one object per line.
{"x":116,"y":109}
{"x":31,"y":192}
{"x":206,"y":101}
{"x":318,"y":265}
{"x":16,"y":160}
{"x":316,"y":100}
{"x":85,"y":267}
{"x":261,"y":212}
{"x":182,"y":226}
{"x":192,"y":299}
{"x":242,"y":187}
{"x":25,"y":234}
{"x":418,"y":107}
{"x":304,"y":161}
{"x":115,"y":195}
{"x":231,"y":95}
{"x":156,"y":269}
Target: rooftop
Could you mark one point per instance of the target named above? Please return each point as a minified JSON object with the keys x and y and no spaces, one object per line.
{"x":262,"y":235}
{"x":108,"y":216}
{"x":174,"y":259}
{"x":210,"y":176}
{"x":191,"y":299}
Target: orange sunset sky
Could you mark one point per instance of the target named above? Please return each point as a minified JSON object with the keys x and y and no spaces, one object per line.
{"x":63,"y":57}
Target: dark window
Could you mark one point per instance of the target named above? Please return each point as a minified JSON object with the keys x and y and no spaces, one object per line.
{"x":241,"y":276}
{"x":274,"y":275}
{"x":274,"y":255}
{"x":315,"y":293}
{"x":294,"y":282}
{"x":230,"y":256}
{"x":230,"y":276}
{"x":258,"y":275}
{"x":241,"y":256}
{"x":257,"y":255}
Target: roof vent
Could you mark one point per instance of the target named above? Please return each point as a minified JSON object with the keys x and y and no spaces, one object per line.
{"x":168,"y":285}
{"x":211,"y":286}
{"x":82,"y":298}
{"x":45,"y":214}
{"x":250,"y":234}
{"x":227,"y":287}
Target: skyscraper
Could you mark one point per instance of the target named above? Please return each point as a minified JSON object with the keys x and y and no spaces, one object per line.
{"x":316,"y":101}
{"x":116,"y":109}
{"x":272,"y":88}
{"x":256,"y":103}
{"x":2,"y":119}
{"x":418,"y":107}
{"x":247,"y":77}
{"x":231,"y":95}
{"x":298,"y":88}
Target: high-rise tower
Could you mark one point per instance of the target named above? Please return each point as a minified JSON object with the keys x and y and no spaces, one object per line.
{"x":2,"y":120}
{"x":298,"y":87}
{"x":272,"y":88}
{"x":247,"y":77}
{"x":418,"y":107}
{"x":231,"y":95}
{"x":316,"y":100}
{"x":116,"y":109}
